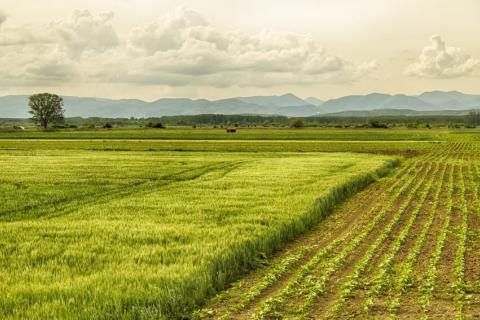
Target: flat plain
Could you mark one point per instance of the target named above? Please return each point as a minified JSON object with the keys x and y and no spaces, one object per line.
{"x":327,"y":224}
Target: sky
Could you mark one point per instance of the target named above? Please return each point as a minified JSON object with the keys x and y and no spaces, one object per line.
{"x":149,"y":49}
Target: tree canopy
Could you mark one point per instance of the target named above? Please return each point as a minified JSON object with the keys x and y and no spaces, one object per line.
{"x":46,"y":108}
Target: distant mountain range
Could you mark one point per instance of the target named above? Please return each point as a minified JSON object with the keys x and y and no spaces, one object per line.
{"x":428,"y":101}
{"x":396,"y":112}
{"x":435,"y":102}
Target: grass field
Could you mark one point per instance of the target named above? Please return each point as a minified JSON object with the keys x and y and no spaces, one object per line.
{"x":94,"y":234}
{"x":94,"y":225}
{"x":379,"y":147}
{"x":400,"y":134}
{"x":406,"y":247}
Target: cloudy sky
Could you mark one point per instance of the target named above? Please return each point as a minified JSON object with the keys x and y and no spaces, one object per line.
{"x":220,"y":48}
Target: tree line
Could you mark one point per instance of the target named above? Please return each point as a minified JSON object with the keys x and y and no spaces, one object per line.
{"x":47,"y":111}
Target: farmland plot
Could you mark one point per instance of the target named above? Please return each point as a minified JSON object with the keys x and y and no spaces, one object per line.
{"x":101,"y":235}
{"x":406,"y":247}
{"x":378,"y":147}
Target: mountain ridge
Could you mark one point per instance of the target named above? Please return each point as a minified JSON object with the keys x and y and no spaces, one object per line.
{"x":16,"y":106}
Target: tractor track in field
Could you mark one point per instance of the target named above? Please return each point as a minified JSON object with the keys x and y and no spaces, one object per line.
{"x":71,"y":205}
{"x":405,"y":247}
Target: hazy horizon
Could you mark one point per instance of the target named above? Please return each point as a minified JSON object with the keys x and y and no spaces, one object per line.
{"x":215,"y":49}
{"x":240,"y":96}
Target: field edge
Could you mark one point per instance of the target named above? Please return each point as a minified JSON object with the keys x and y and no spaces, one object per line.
{"x":228,"y":269}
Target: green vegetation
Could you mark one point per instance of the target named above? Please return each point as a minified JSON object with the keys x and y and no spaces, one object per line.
{"x":46,"y":108}
{"x":263,"y":121}
{"x":405,"y":278}
{"x":319,"y":134}
{"x":152,"y":223}
{"x":297,"y":124}
{"x":473,"y":119}
{"x":94,"y":234}
{"x":397,"y":250}
{"x":382,"y":147}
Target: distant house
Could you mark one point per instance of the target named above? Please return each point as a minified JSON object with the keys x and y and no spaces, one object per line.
{"x":231,"y":130}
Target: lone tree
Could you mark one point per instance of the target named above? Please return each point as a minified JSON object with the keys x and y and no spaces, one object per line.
{"x":46,"y":108}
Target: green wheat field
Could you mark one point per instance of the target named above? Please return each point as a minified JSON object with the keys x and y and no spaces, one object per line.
{"x":147,"y":225}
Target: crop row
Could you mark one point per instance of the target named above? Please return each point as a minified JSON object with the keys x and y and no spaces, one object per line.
{"x":459,"y":264}
{"x":243,"y":299}
{"x":266,"y":281}
{"x":316,"y":286}
{"x":404,"y":279}
{"x":428,"y":285}
{"x":385,"y":266}
{"x":353,"y":280}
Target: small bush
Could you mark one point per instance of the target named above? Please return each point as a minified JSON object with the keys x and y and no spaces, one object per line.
{"x":296,"y":123}
{"x":374,"y":123}
{"x":158,"y":126}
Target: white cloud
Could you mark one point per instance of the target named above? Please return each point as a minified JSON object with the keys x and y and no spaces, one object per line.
{"x":168,"y":32}
{"x":55,"y":66}
{"x":18,"y":37}
{"x":41,"y":64}
{"x":3,"y":17}
{"x":178,"y":49}
{"x":83,"y":31}
{"x":440,"y":61}
{"x":183,"y":43}
{"x":61,"y":53}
